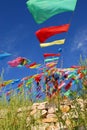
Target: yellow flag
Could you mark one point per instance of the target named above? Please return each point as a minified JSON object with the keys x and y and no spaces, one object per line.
{"x":57,"y":42}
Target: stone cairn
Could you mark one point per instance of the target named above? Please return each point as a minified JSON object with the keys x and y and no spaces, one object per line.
{"x":48,"y":116}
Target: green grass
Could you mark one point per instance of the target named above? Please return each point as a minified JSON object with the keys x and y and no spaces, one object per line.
{"x":14,"y":120}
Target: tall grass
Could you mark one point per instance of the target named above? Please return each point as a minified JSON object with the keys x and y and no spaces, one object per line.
{"x":13,"y":114}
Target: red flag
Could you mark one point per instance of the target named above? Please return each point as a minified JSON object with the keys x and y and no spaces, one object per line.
{"x":68,"y":85}
{"x":50,"y":54}
{"x":31,"y":65}
{"x":45,"y":33}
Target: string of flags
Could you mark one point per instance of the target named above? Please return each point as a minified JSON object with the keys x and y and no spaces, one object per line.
{"x":47,"y":82}
{"x":42,"y":11}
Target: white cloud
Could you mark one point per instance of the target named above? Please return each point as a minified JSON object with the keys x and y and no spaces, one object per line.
{"x":80,"y":41}
{"x":79,"y":45}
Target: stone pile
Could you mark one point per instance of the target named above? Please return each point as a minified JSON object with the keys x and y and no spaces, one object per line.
{"x":48,"y":116}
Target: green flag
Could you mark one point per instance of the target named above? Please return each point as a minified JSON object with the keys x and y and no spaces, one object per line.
{"x":67,"y":93}
{"x":44,"y":9}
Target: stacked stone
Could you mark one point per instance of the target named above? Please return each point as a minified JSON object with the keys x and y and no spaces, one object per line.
{"x":44,"y":116}
{"x":45,"y":113}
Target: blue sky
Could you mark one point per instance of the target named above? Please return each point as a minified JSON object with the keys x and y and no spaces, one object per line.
{"x":17,"y":36}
